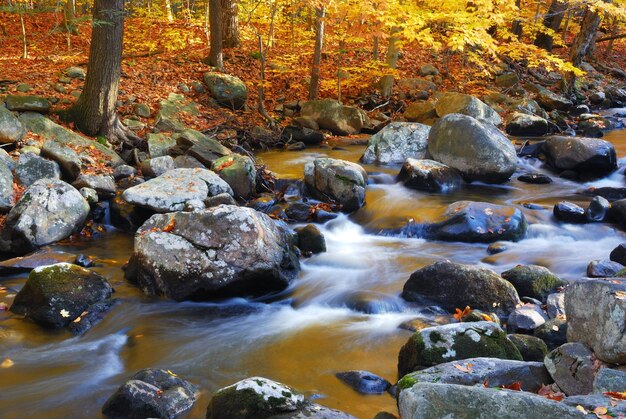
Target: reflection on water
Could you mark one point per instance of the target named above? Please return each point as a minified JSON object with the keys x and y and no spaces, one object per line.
{"x":341,"y":313}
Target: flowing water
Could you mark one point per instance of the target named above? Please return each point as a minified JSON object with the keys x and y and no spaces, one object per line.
{"x":306,"y":334}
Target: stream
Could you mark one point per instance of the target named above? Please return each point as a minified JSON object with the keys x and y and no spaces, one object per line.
{"x":305,"y":335}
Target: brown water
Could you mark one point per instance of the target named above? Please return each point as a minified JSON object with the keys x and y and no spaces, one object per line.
{"x":309,"y":334}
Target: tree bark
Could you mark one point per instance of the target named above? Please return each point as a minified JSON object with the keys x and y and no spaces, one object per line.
{"x":516,"y":27}
{"x":94,"y":112}
{"x":69,"y":17}
{"x":317,"y":54}
{"x":230,"y":23}
{"x":552,"y":20}
{"x":215,"y":57}
{"x":386,"y":82}
{"x":168,"y":11}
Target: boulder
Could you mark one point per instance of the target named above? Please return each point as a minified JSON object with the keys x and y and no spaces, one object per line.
{"x":200,"y":146}
{"x":573,"y":367}
{"x":396,"y":142}
{"x":589,"y":157}
{"x":25,"y":103}
{"x":336,"y":180}
{"x":455,"y":341}
{"x":552,"y":101}
{"x":7,"y":193}
{"x":555,"y":305}
{"x":30,"y":168}
{"x":533,"y":281}
{"x":335,"y":117}
{"x":170,"y":191}
{"x":460,"y":103}
{"x":364,"y":382}
{"x":608,"y":379}
{"x":104,"y":185}
{"x":569,"y":213}
{"x":170,"y":109}
{"x":261,"y":398}
{"x":428,"y":70}
{"x":603,"y":268}
{"x":420,"y":112}
{"x":526,"y":318}
{"x":524,"y":125}
{"x":151,"y":393}
{"x":50,"y":210}
{"x":124,"y":171}
{"x":454,"y":285}
{"x":619,"y":254}
{"x":553,"y":332}
{"x":478,"y":150}
{"x":429,"y":400}
{"x":596,"y":313}
{"x":429,"y":175}
{"x":239,"y":172}
{"x":615,"y":408}
{"x":598,"y":209}
{"x":68,"y":160}
{"x":11,"y":129}
{"x":310,"y":239}
{"x":54,"y":296}
{"x":218,"y":252}
{"x":157,"y":166}
{"x":159,"y":144}
{"x":506,"y":80}
{"x":532,"y":348}
{"x":477,"y":371}
{"x":305,"y":135}
{"x":227,"y":90}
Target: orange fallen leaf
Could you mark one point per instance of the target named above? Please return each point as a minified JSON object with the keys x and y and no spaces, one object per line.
{"x":516,"y":386}
{"x":7,"y":363}
{"x":619,"y":395}
{"x":467,"y":368}
{"x":459,"y":314}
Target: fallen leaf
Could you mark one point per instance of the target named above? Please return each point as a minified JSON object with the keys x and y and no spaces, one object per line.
{"x":516,"y":386}
{"x":459,"y":314}
{"x":620,"y":295}
{"x":65,"y":313}
{"x":619,"y":395}
{"x":7,"y":363}
{"x":555,"y":328}
{"x":581,"y":409}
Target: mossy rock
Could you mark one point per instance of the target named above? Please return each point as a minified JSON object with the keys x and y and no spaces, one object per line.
{"x":531,"y":347}
{"x":533,"y":281}
{"x":239,"y":172}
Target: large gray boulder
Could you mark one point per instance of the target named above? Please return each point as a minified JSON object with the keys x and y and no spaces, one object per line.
{"x":596,"y":316}
{"x":453,"y":285}
{"x":30,"y":168}
{"x":608,"y":379}
{"x":171,"y":190}
{"x":50,"y":210}
{"x":218,"y":252}
{"x":478,"y":150}
{"x":227,"y":90}
{"x":467,"y":105}
{"x":440,"y":344}
{"x":11,"y":129}
{"x":590,"y":157}
{"x":476,"y":371}
{"x":336,"y":180}
{"x":335,"y":117}
{"x":573,"y":368}
{"x":7,"y":193}
{"x":429,"y":400}
{"x":397,"y":142}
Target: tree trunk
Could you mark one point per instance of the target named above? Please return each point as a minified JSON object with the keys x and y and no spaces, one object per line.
{"x":552,"y":20}
{"x":230,"y":23}
{"x":386,"y":82}
{"x":168,"y":11}
{"x":516,"y":27}
{"x":215,"y":57}
{"x":69,"y":18}
{"x":94,"y":111}
{"x":317,"y":54}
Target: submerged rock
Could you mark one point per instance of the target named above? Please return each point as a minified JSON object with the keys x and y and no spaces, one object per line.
{"x":218,"y":252}
{"x":397,"y":142}
{"x":151,"y":393}
{"x":429,"y":175}
{"x":455,"y":341}
{"x":454,"y":285}
{"x":364,"y":382}
{"x":337,"y":180}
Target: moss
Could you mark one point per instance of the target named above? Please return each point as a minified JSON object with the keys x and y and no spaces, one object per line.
{"x":244,"y":404}
{"x":436,"y":337}
{"x":407,"y":381}
{"x":347,"y":180}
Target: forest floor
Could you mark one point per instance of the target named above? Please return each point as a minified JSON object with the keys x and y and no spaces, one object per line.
{"x":160,"y":56}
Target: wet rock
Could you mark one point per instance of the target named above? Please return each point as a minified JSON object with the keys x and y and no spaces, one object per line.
{"x":533,"y":281}
{"x":396,"y":142}
{"x":364,"y":382}
{"x":90,"y":195}
{"x":478,"y":150}
{"x":24,"y":103}
{"x":337,"y":180}
{"x":593,"y":401}
{"x":553,"y":332}
{"x":532,"y":348}
{"x":157,"y":166}
{"x":335,"y":117}
{"x":588,"y":157}
{"x":127,"y":217}
{"x":244,"y":254}
{"x":151,"y":393}
{"x":598,"y":209}
{"x":258,"y":397}
{"x":170,"y":191}
{"x":526,"y":318}
{"x":34,"y":260}
{"x":304,"y":135}
{"x":569,"y":213}
{"x":430,"y":400}
{"x":372,"y":302}
{"x":608,"y":379}
{"x":104,"y":185}
{"x":524,"y":125}
{"x":595,"y":312}
{"x":619,"y":254}
{"x":415,"y":325}
{"x":30,"y":168}
{"x":429,"y":175}
{"x":124,"y":171}
{"x":420,"y":112}
{"x":477,"y":371}
{"x":49,"y":211}
{"x":200,"y":146}
{"x":555,"y":305}
{"x":227,"y":90}
{"x":495,"y":248}
{"x":459,"y":103}
{"x":56,"y":295}
{"x":239,"y":172}
{"x":535,"y":178}
{"x":572,"y":366}
{"x":310,"y":239}
{"x":603,"y":268}
{"x":454,"y":285}
{"x":11,"y":129}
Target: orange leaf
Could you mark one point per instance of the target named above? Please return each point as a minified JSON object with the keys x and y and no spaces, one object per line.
{"x":467,"y":368}
{"x":516,"y":386}
{"x":619,"y":395}
{"x":170,"y":226}
{"x":460,"y":314}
